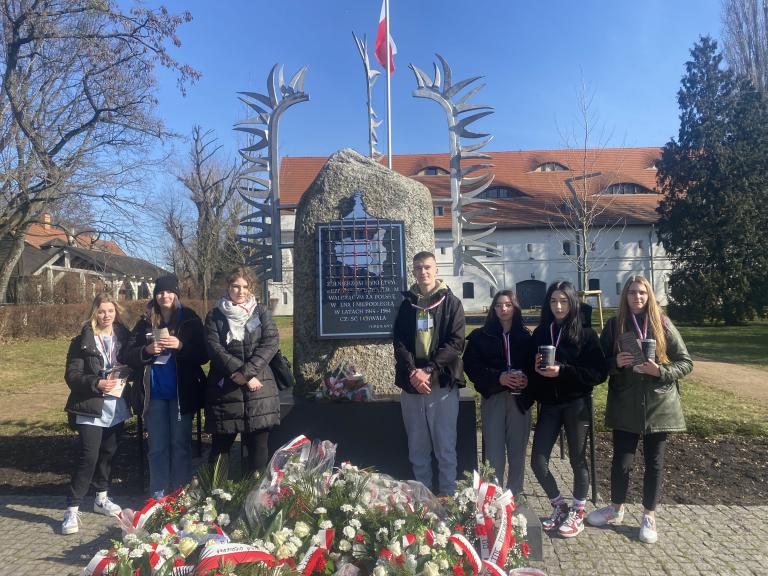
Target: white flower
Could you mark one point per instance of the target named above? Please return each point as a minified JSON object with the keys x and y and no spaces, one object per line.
{"x":360,"y":510}
{"x":424,"y":550}
{"x":431,"y":569}
{"x":344,"y":545}
{"x":237,"y":534}
{"x":279,"y":537}
{"x":136,"y":553}
{"x":222,"y":519}
{"x":355,"y":523}
{"x":395,"y":548}
{"x":399,"y":523}
{"x":326,"y":524}
{"x":346,"y":508}
{"x":270,"y":547}
{"x":443,"y":564}
{"x":379,"y":571}
{"x":301,"y":529}
{"x":349,"y":532}
{"x":382,"y":533}
{"x":131,"y":539}
{"x":284,"y":552}
{"x":321,"y":510}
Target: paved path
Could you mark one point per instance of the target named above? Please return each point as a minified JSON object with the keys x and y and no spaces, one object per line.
{"x":693,"y":540}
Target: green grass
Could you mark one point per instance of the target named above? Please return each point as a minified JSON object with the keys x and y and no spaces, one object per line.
{"x":739,"y":344}
{"x":708,"y":411}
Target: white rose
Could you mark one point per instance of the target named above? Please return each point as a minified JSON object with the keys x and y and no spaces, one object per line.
{"x":424,"y":550}
{"x":347,"y":508}
{"x":344,"y":545}
{"x":349,"y":532}
{"x":355,"y":523}
{"x":279,"y":537}
{"x":399,"y":523}
{"x":301,"y":529}
{"x":394,"y":547}
{"x":444,"y":564}
{"x":284,"y":552}
{"x":326,"y":524}
{"x":321,"y":510}
{"x":379,"y":571}
{"x":431,"y":569}
{"x":222,"y":519}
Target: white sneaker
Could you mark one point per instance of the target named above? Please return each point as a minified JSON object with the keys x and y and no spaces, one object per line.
{"x":106,"y":507}
{"x":71,"y":523}
{"x":605,"y":515}
{"x":648,"y":532}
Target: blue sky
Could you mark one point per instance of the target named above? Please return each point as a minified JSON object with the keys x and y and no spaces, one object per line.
{"x":533,"y":55}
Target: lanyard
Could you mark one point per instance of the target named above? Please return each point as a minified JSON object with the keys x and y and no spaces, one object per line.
{"x":507,"y":352}
{"x":555,"y":343}
{"x":106,"y":351}
{"x":641,"y":333}
{"x":430,"y":307}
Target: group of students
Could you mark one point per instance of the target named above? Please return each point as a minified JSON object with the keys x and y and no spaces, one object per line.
{"x":162,"y":359}
{"x":169,"y":344}
{"x":503,"y":361}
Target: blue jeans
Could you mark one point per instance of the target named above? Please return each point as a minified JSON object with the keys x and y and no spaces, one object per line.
{"x":170,"y":446}
{"x":430,"y":423}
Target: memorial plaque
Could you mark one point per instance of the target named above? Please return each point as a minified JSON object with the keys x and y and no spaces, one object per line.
{"x":361,"y":275}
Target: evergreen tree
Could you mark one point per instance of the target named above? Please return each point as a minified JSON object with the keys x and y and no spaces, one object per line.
{"x":715,"y":175}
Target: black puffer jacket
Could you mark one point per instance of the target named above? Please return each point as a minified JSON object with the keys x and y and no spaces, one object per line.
{"x":190,"y":378}
{"x":484,"y":359}
{"x":582,"y":366}
{"x":84,"y":362}
{"x":230,"y":408}
{"x":445,"y":360}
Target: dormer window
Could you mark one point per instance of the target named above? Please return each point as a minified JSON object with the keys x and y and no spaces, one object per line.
{"x":626,"y":188}
{"x":432,"y":171}
{"x":551,"y":167}
{"x":501,"y":192}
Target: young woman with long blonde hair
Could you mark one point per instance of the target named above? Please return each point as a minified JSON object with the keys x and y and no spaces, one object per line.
{"x":643,"y":400}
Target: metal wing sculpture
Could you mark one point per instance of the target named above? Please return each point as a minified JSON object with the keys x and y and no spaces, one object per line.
{"x":466,"y":206}
{"x":259,"y":180}
{"x":370,"y":77}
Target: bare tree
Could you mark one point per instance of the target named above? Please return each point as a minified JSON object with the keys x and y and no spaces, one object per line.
{"x":583,"y":212}
{"x":77,"y":104}
{"x":745,"y":39}
{"x":201,"y":243}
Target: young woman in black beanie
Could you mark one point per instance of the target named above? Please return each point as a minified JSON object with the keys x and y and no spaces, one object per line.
{"x":167,"y":348}
{"x":562,"y":390}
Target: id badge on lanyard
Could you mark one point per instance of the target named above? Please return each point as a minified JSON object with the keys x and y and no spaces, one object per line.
{"x":424,"y":322}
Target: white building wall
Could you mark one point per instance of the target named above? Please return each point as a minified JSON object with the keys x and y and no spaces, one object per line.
{"x":530,"y":254}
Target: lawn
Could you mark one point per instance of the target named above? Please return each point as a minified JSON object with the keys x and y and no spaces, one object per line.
{"x":38,"y":364}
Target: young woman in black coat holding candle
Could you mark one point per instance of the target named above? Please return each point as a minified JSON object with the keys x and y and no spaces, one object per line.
{"x":562,"y":390}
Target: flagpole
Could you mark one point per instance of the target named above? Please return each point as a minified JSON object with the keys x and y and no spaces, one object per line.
{"x":389,"y":94}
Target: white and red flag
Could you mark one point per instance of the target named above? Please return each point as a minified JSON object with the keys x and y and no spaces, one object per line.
{"x":380,"y":49}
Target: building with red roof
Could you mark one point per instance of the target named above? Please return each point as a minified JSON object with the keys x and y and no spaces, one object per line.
{"x":535,"y":239}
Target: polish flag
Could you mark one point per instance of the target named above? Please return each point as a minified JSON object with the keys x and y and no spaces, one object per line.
{"x":380,"y":49}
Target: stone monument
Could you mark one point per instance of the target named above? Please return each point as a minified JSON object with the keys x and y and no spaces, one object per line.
{"x":357,"y":228}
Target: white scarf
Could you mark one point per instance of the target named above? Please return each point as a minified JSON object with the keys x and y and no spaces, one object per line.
{"x":237,"y":316}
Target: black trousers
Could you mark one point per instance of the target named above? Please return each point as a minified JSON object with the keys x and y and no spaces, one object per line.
{"x":94,"y":465}
{"x":255,"y":442}
{"x":624,"y":448}
{"x":574,"y":417}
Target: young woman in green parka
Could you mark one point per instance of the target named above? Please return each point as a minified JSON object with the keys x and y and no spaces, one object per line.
{"x":643,"y":400}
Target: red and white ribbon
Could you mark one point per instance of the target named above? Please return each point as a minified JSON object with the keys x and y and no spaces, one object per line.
{"x":310,"y":561}
{"x":213,"y":555}
{"x":429,"y":537}
{"x":326,"y":538}
{"x":140,"y":518}
{"x":408,"y":539}
{"x":504,"y":535}
{"x":493,"y":569}
{"x":99,"y":565}
{"x":169,"y":529}
{"x":469,"y":550}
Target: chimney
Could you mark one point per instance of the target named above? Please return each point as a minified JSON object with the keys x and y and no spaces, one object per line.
{"x":46,"y":220}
